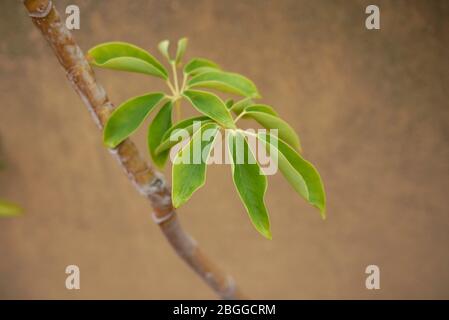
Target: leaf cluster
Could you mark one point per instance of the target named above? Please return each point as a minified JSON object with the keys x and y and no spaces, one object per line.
{"x":198,"y":77}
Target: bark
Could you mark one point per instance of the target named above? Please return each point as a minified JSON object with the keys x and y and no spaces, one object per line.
{"x":149,"y":182}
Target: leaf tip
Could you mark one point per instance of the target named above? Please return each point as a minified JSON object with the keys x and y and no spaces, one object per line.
{"x":268,"y":235}
{"x":256,"y":95}
{"x":182,"y":45}
{"x":322,"y":208}
{"x":264,"y":230}
{"x":323,"y":214}
{"x":163,"y":48}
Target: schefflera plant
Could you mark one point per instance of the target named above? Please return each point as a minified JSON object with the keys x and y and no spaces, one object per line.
{"x":215,"y":115}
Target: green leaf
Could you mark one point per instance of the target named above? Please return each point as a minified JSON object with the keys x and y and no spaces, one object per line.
{"x":156,"y":130}
{"x":128,"y":117}
{"x":187,"y":125}
{"x":199,"y":65}
{"x":300,"y":173}
{"x":269,"y":121}
{"x":239,"y":106}
{"x":229,"y":103}
{"x":189,"y":165}
{"x":262,"y":108}
{"x":211,"y":106}
{"x":126,"y":57}
{"x":251,"y":184}
{"x":163,"y":49}
{"x":8,"y":209}
{"x":226,"y":82}
{"x":182,"y":45}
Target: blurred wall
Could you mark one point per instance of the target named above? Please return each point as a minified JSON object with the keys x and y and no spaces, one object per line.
{"x":371,"y":108}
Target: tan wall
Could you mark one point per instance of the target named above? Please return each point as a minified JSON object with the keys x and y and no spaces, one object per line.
{"x":371,"y":108}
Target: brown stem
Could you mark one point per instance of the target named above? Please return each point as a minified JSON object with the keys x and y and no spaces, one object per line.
{"x":147,"y":181}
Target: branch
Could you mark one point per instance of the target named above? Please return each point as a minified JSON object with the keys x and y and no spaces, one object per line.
{"x":149,"y":182}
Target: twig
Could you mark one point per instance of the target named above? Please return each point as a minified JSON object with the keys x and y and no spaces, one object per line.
{"x":147,"y":181}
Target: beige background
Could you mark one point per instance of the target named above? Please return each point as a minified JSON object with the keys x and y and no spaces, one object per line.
{"x":371,"y":108}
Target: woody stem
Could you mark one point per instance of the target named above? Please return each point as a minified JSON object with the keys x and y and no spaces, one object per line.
{"x":146,"y":179}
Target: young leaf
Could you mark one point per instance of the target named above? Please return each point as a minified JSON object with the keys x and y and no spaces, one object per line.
{"x":156,"y":130}
{"x":226,"y":82}
{"x":251,"y":184}
{"x":189,"y":165}
{"x":229,"y":103}
{"x":8,"y":209}
{"x":128,"y":117}
{"x":262,"y":108}
{"x":211,"y":106}
{"x":239,"y":106}
{"x":300,"y":173}
{"x":269,"y":121}
{"x":163,"y":49}
{"x":126,"y":57}
{"x":199,"y":65}
{"x":187,"y":125}
{"x":182,"y":45}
